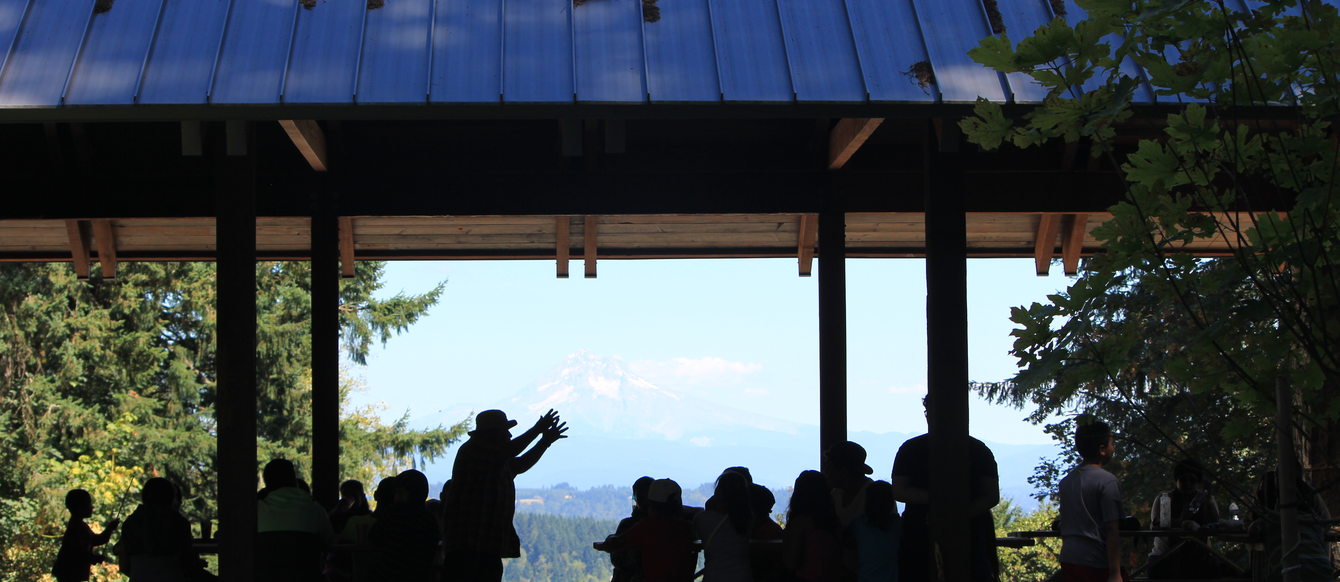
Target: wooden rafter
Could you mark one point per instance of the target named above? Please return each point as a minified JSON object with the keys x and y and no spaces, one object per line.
{"x":106,"y":239}
{"x":589,"y":248}
{"x":562,"y":245}
{"x":847,"y":137}
{"x":1044,"y":247}
{"x":806,"y":237}
{"x":307,"y":136}
{"x":78,"y":248}
{"x":346,"y":247}
{"x":1072,"y":243}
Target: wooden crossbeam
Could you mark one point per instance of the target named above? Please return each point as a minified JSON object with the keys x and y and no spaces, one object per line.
{"x":307,"y":136}
{"x":806,"y":236}
{"x":1072,"y":243}
{"x":847,"y":137}
{"x":103,"y":235}
{"x":562,"y":245}
{"x":78,"y":248}
{"x":347,"y":260}
{"x":1044,"y":247}
{"x":589,"y":249}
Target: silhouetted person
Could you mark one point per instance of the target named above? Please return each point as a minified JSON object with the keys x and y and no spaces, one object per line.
{"x":765,"y":559}
{"x":662,"y":540}
{"x":293,"y":531}
{"x":911,"y":485}
{"x":622,"y":560}
{"x":875,"y":535}
{"x":406,"y":535}
{"x":76,"y":555}
{"x":1188,"y":505}
{"x":1091,"y":511}
{"x":478,"y":512}
{"x":358,"y":531}
{"x":812,"y":548}
{"x":155,"y":541}
{"x":724,"y":526}
{"x":848,"y":474}
{"x":353,"y":503}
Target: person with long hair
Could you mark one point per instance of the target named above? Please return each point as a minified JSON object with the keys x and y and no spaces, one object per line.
{"x":724,"y":526}
{"x":875,"y":534}
{"x":812,"y":548}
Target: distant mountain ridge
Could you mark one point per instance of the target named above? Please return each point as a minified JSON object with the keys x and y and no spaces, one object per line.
{"x":623,"y":426}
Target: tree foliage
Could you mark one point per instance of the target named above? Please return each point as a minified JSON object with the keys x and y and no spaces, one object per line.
{"x":1183,"y":354}
{"x":103,"y":383}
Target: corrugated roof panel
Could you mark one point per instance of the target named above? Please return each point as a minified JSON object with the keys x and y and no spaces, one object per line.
{"x":182,"y":57}
{"x":1073,"y":15}
{"x":824,"y":63}
{"x":12,"y":13}
{"x":1021,"y":18}
{"x":467,"y":51}
{"x":888,"y":40}
{"x":255,"y":51}
{"x":394,"y":68}
{"x":36,"y":70}
{"x":681,"y":59}
{"x":325,"y":53}
{"x":609,"y":51}
{"x":537,"y":51}
{"x":751,"y":54}
{"x":109,"y":65}
{"x":952,"y":28}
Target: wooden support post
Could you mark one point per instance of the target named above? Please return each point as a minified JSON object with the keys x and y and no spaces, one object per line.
{"x":806,"y":236}
{"x":847,"y":137}
{"x":589,"y":248}
{"x":74,"y":230}
{"x":1044,"y":246}
{"x":307,"y":136}
{"x":236,"y":389}
{"x":104,"y":236}
{"x":347,"y":260}
{"x":562,"y":245}
{"x":192,"y":139}
{"x":570,"y":132}
{"x":325,"y":359}
{"x":832,"y":324}
{"x":1072,"y":243}
{"x":947,"y":358}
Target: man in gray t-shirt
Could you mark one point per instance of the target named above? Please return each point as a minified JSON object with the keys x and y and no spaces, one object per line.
{"x":1090,"y":512}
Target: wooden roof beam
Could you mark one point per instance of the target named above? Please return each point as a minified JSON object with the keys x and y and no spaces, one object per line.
{"x":1044,"y":246}
{"x":1072,"y":243}
{"x":78,"y":247}
{"x":307,"y":136}
{"x":806,"y":237}
{"x":106,"y":239}
{"x":347,"y":259}
{"x":848,"y":136}
{"x":562,"y":245}
{"x":589,"y":249}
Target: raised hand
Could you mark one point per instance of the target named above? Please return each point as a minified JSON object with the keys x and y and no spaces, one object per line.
{"x":555,"y":432}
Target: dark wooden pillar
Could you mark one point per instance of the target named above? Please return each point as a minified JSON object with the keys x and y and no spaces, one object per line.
{"x":947,"y":352}
{"x":325,"y":357}
{"x":235,"y":235}
{"x":832,"y":325}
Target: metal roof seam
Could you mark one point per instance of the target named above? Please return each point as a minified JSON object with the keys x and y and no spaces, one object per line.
{"x":716,"y":52}
{"x":288,"y":60}
{"x":149,"y":52}
{"x":642,"y":44}
{"x":925,"y":47}
{"x":358,"y":55}
{"x":18,"y":32}
{"x":78,"y":52}
{"x":573,"y":69}
{"x":786,"y":50}
{"x":432,"y":44}
{"x":218,"y":53}
{"x":991,"y":30}
{"x":502,"y":51}
{"x":856,"y":49}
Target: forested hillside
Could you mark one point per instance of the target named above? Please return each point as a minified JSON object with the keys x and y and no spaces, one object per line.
{"x":558,"y":549}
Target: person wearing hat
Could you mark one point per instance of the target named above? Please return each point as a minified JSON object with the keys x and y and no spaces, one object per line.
{"x":477,"y":516}
{"x":663,"y":540}
{"x":848,"y":475}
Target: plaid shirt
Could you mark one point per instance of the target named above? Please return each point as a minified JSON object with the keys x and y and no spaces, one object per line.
{"x":478,"y":511}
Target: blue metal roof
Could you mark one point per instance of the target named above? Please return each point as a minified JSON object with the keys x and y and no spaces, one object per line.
{"x":341,"y":52}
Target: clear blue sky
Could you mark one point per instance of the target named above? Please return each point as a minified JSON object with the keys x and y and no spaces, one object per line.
{"x":741,"y":332}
